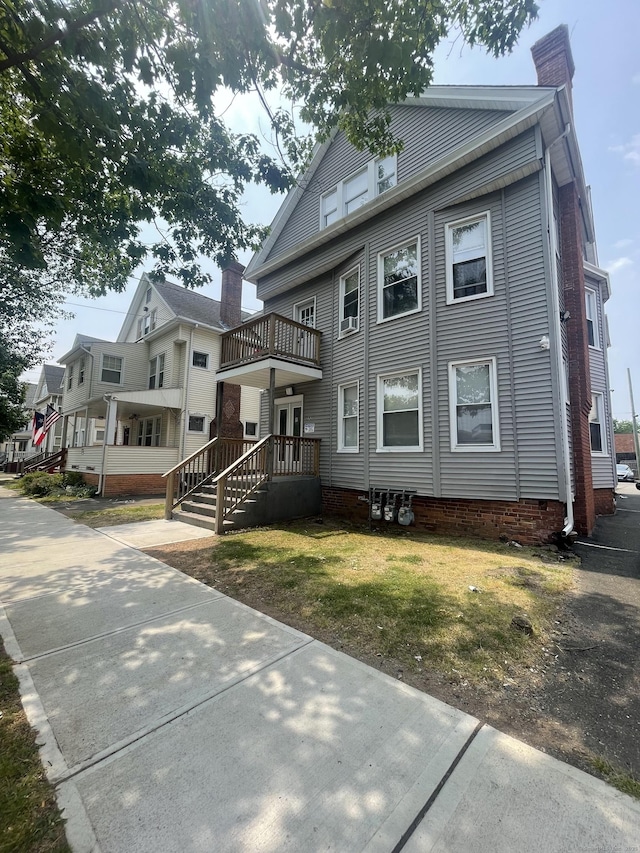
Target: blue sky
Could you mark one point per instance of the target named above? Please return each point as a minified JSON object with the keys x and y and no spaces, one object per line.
{"x":606,"y":93}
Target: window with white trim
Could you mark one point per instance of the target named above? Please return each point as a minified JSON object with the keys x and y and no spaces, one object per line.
{"x":156,"y":372}
{"x":200,"y":359}
{"x":473,"y":404}
{"x":348,"y":418}
{"x":147,"y":296}
{"x":596,"y":425}
{"x":591,"y":307}
{"x":251,"y":429}
{"x":147,"y":323}
{"x":111,"y":369}
{"x":196,"y":423}
{"x":375,"y":178}
{"x":149,"y":430}
{"x":69,"y":376}
{"x":350,"y":302}
{"x":399,"y":281}
{"x":468,"y":254}
{"x":400,"y":411}
{"x":305,"y":312}
{"x":81,"y":371}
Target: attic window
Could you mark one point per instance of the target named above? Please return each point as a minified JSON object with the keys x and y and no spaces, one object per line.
{"x":147,"y":297}
{"x":352,"y":193}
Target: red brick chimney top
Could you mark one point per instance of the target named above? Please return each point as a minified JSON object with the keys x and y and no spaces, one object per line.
{"x":231,"y":294}
{"x":552,"y":58}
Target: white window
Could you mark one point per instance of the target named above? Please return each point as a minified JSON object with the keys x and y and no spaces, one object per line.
{"x":148,"y":322}
{"x":349,"y":302}
{"x":147,"y":296}
{"x":305,"y":312}
{"x":399,"y":281}
{"x":200,"y":359}
{"x":348,"y":418}
{"x":69,"y":376}
{"x":250,"y":429}
{"x":149,"y":430}
{"x":81,"y":371}
{"x":468,"y":252}
{"x":592,"y":318}
{"x":400,"y":411}
{"x":111,"y":369}
{"x":156,"y":372}
{"x":473,"y":403}
{"x":196,"y":423}
{"x":375,"y":178}
{"x":596,"y":425}
{"x":329,"y":208}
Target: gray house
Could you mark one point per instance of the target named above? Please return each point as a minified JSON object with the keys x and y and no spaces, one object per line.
{"x":436,"y":318}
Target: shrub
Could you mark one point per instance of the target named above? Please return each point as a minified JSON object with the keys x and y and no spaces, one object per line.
{"x":73,"y":478}
{"x":40,"y":484}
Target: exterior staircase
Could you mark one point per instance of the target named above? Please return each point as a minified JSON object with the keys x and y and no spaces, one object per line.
{"x":248,"y":492}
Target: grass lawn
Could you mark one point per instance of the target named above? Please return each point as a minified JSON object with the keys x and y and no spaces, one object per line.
{"x":29,"y":817}
{"x":406,"y":596}
{"x":120,"y":515}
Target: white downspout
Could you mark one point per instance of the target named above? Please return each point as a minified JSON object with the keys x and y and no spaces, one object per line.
{"x":110,"y":423}
{"x":183,"y":431}
{"x":555,"y":304}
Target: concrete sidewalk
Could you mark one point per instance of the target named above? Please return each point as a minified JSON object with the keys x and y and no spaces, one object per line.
{"x":175,"y":719}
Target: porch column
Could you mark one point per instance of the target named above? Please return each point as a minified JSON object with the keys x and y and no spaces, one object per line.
{"x":111,"y":421}
{"x":272,"y":422}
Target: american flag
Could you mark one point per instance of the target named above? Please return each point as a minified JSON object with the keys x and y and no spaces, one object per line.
{"x":51,"y":416}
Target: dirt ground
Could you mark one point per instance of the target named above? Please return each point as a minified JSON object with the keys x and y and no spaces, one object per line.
{"x":581,"y":703}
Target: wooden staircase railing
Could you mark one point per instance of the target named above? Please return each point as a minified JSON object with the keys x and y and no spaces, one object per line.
{"x":46,"y":461}
{"x":200,"y":468}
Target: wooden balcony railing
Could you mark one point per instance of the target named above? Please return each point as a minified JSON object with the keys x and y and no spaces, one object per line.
{"x":271,"y":335}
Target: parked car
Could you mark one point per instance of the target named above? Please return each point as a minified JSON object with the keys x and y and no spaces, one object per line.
{"x":625,"y":473}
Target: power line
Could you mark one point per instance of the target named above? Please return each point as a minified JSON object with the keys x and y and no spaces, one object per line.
{"x":115,"y":310}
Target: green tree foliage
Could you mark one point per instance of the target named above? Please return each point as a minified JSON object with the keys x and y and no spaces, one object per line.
{"x":109,"y":120}
{"x":623,"y":427}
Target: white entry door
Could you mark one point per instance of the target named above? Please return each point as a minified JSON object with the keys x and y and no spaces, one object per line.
{"x":288,"y":423}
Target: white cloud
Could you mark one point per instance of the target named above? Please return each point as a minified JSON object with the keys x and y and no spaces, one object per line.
{"x":619,"y":264}
{"x":622,"y":244}
{"x":630,"y":150}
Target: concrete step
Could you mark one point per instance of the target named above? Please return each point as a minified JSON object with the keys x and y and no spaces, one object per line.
{"x":199,"y":508}
{"x":195,"y":519}
{"x":203,"y":497}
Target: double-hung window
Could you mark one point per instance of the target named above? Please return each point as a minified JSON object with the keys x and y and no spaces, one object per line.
{"x":156,"y":372}
{"x":399,"y":281}
{"x":596,"y":425}
{"x":81,"y":371}
{"x":591,"y":305}
{"x":350,"y":302}
{"x":69,"y":376}
{"x":474,"y":405}
{"x":400,"y":411}
{"x":468,"y":255}
{"x":111,"y":369}
{"x":375,"y":178}
{"x":348,"y":418}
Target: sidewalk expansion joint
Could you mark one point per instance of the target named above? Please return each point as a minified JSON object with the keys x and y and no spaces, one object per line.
{"x":423,"y":811}
{"x":111,"y":752}
{"x":117,"y":631}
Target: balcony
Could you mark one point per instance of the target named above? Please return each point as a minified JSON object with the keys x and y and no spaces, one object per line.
{"x":271,"y":342}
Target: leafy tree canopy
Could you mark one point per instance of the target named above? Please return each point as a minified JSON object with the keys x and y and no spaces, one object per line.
{"x":109,"y":118}
{"x":623,"y":427}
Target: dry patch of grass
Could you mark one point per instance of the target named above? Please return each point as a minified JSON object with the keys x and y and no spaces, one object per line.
{"x":427,"y":602}
{"x":30,"y":821}
{"x":120,"y":515}
{"x":622,"y":781}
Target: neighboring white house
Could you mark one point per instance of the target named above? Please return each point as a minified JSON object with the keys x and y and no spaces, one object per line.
{"x":134,"y":407}
{"x":19,"y":446}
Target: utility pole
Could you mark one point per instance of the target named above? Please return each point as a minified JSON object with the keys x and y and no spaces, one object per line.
{"x":634,"y":421}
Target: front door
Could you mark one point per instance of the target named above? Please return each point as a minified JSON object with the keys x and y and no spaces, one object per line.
{"x":288,"y":423}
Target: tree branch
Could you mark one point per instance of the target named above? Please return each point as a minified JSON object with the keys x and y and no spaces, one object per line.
{"x":54,"y":37}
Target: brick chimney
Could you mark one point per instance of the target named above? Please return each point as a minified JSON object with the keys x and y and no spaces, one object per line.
{"x":231,"y":294}
{"x":553,"y":60}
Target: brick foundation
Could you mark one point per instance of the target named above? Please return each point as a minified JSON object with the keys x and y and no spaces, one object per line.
{"x":530,"y":522}
{"x":117,"y":485}
{"x":605,"y":501}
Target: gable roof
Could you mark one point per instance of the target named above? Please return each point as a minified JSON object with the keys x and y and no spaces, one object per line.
{"x":190,"y":305}
{"x":525,"y":105}
{"x":53,"y":376}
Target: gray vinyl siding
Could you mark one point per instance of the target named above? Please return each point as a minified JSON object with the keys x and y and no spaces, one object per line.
{"x":506,"y":326}
{"x":602,"y":465}
{"x":428,"y":134}
{"x":468,"y":180}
